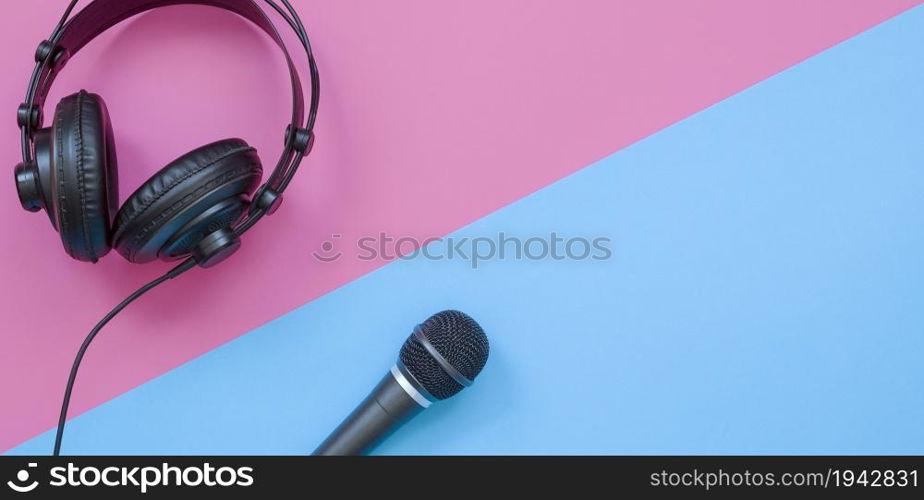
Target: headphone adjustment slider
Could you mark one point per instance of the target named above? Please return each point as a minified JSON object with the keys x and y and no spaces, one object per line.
{"x":29,"y":117}
{"x":267,"y":199}
{"x":299,"y":139}
{"x":45,"y":49}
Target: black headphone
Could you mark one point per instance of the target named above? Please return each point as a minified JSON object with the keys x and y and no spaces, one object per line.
{"x":197,"y":207}
{"x":194,"y":209}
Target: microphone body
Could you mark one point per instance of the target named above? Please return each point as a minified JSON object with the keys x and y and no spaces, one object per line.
{"x":385,"y":409}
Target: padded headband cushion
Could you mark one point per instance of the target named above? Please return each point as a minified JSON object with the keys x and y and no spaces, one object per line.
{"x":180,"y":192}
{"x":84,"y":177}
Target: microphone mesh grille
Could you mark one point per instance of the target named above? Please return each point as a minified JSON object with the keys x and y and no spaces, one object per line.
{"x":459,"y":339}
{"x":427,"y":371}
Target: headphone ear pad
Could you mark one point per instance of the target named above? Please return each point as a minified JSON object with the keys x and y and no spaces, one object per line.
{"x":196,"y":194}
{"x":83,"y":175}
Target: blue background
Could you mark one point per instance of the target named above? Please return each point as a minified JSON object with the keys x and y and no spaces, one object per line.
{"x":765,"y":295}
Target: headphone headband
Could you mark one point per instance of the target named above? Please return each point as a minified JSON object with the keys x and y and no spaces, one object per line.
{"x":101,"y":15}
{"x":72,"y":35}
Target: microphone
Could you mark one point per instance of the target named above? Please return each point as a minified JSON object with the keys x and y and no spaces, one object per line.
{"x":441,"y":357}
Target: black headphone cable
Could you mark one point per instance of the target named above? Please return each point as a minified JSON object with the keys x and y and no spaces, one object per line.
{"x":173,"y":273}
{"x":289,"y":14}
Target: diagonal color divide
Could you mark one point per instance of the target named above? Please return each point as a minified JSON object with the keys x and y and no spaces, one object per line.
{"x":766,"y":270}
{"x":434,"y":115}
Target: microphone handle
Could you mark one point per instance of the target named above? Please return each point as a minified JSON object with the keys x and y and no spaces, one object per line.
{"x":384,"y":410}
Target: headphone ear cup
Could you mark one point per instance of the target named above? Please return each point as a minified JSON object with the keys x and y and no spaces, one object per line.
{"x":83,"y":175}
{"x":198,"y":193}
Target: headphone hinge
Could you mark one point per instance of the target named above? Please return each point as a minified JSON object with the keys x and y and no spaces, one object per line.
{"x":299,"y":139}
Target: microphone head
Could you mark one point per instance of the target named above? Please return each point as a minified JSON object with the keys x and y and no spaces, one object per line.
{"x":456,"y":338}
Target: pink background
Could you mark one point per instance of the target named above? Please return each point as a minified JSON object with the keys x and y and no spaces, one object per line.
{"x":460,"y":108}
